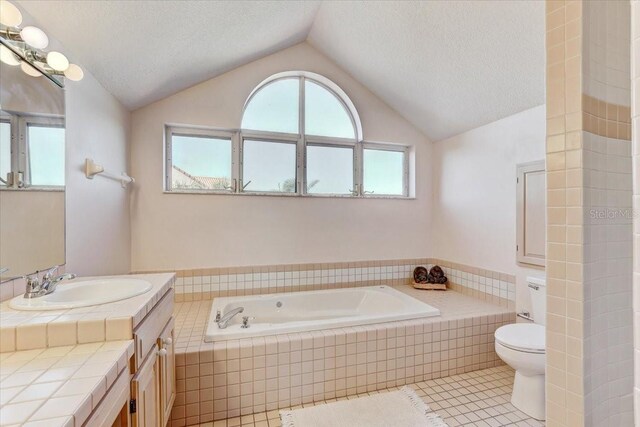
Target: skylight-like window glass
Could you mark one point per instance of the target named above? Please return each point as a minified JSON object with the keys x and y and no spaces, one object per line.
{"x":46,"y":155}
{"x":200,"y":163}
{"x":274,"y":108}
{"x":324,"y":114}
{"x":5,"y":149}
{"x":384,"y":172}
{"x":269,"y":166}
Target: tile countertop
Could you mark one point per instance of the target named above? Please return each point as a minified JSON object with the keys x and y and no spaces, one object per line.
{"x":28,"y":330}
{"x":59,"y":386}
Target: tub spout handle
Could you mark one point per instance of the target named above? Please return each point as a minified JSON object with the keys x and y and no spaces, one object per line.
{"x":245,"y":322}
{"x":224,"y":320}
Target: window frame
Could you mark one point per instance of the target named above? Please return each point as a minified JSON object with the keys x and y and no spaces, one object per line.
{"x":23,"y":156}
{"x":19,"y":125}
{"x":13,"y":159}
{"x":278,"y":139}
{"x":405,"y":167}
{"x":198,"y":132}
{"x":302,"y":141}
{"x":332,"y":142}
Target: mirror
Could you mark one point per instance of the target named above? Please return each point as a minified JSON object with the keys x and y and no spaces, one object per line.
{"x":531,"y":213}
{"x":32,"y":171}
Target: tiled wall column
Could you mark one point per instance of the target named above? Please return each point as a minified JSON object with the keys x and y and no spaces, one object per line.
{"x":608,"y":254}
{"x":635,"y":113}
{"x":589,"y":340}
{"x":565,"y":296}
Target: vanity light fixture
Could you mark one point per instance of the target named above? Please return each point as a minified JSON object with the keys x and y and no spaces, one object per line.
{"x":9,"y":14}
{"x":29,"y":69}
{"x":20,"y":45}
{"x":57,"y":61}
{"x":34,"y":37}
{"x":8,"y":57}
{"x":74,"y":73}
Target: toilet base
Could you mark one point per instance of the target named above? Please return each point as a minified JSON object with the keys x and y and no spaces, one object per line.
{"x":528,"y":395}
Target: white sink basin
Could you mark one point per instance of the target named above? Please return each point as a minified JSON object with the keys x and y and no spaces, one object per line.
{"x":83,"y":293}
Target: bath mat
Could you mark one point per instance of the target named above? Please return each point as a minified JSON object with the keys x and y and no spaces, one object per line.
{"x":402,"y":408}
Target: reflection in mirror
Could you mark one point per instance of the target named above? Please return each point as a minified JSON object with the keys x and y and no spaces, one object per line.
{"x":32,"y":172}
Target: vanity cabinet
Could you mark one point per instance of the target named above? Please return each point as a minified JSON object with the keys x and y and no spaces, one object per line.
{"x":153,"y":386}
{"x":145,"y":393}
{"x":167,"y":361}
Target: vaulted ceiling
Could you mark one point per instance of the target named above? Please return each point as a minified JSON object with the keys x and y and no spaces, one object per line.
{"x":446,"y":66}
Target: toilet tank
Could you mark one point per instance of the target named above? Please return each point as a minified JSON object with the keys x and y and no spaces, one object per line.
{"x":538,"y":293}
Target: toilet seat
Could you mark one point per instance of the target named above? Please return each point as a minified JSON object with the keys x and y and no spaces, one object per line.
{"x":525,"y":337}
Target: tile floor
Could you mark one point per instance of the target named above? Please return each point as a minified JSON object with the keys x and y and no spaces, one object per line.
{"x":479,"y":398}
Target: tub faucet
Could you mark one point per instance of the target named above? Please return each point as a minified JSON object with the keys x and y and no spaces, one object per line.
{"x":224,"y":320}
{"x":49,"y":283}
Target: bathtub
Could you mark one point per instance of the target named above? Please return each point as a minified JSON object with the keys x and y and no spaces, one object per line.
{"x":314,"y":310}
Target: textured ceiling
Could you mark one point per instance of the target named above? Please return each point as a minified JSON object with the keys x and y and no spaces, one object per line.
{"x":446,"y":66}
{"x":143,"y":51}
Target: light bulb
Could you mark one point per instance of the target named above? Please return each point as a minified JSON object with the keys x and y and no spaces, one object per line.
{"x":8,"y":57}
{"x":57,"y":61}
{"x":74,"y":73}
{"x":29,"y":69}
{"x":34,"y":37}
{"x":9,"y":14}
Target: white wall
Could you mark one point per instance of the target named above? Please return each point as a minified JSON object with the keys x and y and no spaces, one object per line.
{"x":30,"y":240}
{"x":98,"y":236}
{"x":474,"y":212}
{"x":191,"y":231}
{"x":98,"y":226}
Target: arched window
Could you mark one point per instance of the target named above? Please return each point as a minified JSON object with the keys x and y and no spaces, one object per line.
{"x":293,"y":102}
{"x":300,"y":134}
{"x":306,"y":116}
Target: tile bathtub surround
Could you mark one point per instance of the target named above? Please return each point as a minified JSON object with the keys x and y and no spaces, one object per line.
{"x":193,"y":285}
{"x":240,"y":377}
{"x":491,"y":286}
{"x":59,"y":386}
{"x":27,"y":330}
{"x":479,"y":399}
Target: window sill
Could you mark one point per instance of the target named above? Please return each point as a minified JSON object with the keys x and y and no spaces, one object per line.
{"x":303,"y":196}
{"x":51,"y":189}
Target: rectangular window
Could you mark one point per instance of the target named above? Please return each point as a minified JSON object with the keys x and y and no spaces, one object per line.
{"x":252,"y":162}
{"x":45,"y":148}
{"x":384,"y":171}
{"x":269,"y":166}
{"x":200,"y":162}
{"x":329,"y":170}
{"x":5,"y":149}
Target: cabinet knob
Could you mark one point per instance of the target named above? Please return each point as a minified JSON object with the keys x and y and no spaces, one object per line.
{"x":167,"y":341}
{"x":162,"y":352}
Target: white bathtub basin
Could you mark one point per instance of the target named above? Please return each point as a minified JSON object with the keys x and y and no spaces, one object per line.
{"x":314,"y":310}
{"x":83,"y":293}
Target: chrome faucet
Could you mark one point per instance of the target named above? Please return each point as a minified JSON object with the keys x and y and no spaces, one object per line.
{"x":224,"y":320}
{"x":50,"y":281}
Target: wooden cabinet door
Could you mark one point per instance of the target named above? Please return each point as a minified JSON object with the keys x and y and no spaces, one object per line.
{"x":167,"y":358}
{"x":145,"y":392}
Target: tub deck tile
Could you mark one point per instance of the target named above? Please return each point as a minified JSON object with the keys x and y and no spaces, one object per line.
{"x":242,"y":377}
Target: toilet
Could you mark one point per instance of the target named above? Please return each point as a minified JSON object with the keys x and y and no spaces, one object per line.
{"x":522,"y":346}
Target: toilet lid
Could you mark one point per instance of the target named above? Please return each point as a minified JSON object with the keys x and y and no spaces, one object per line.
{"x":527,"y":337}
